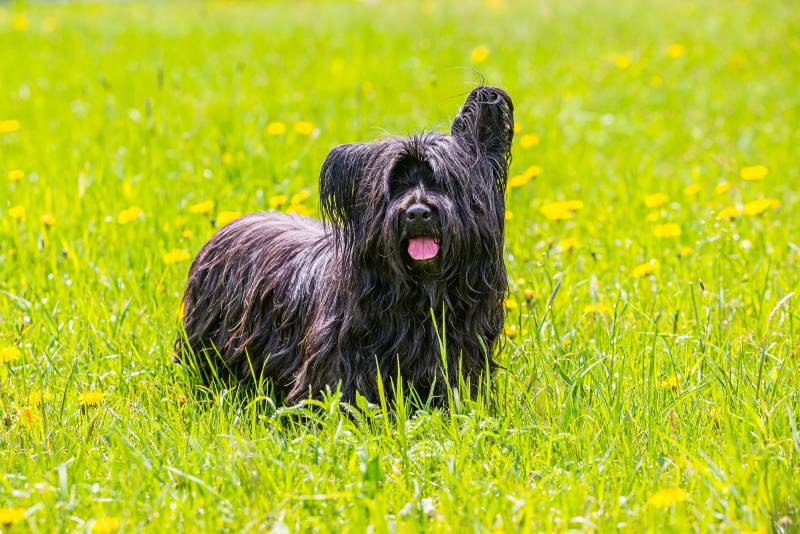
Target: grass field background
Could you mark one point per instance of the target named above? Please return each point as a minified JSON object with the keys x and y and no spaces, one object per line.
{"x":652,"y":340}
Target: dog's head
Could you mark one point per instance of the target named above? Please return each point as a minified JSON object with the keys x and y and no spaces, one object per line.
{"x":428,"y":205}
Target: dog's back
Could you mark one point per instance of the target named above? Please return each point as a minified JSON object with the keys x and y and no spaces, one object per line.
{"x":249,"y":294}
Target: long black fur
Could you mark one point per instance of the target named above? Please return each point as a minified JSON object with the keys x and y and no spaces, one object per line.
{"x":310,"y":305}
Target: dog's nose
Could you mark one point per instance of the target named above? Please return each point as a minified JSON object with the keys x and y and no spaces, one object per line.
{"x":418,"y":212}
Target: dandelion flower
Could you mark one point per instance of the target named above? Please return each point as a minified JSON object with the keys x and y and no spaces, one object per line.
{"x":479,"y":54}
{"x":299,"y":209}
{"x":105,"y":525}
{"x":224,"y":217}
{"x":655,"y":200}
{"x":202,"y":208}
{"x":304,"y":127}
{"x":276,"y":128}
{"x":757,"y":207}
{"x":9,"y":126}
{"x":598,"y":307}
{"x":276,"y":201}
{"x":9,"y":354}
{"x":754,"y":173}
{"x":15,"y":175}
{"x":669,"y":383}
{"x":187,"y":234}
{"x":667,"y":230}
{"x":529,"y":294}
{"x":561,"y":210}
{"x":17,"y":212}
{"x":722,"y":187}
{"x":691,"y":190}
{"x":511,"y":304}
{"x":511,"y":330}
{"x":10,"y":516}
{"x":509,"y":215}
{"x":666,"y":497}
{"x":676,"y":50}
{"x":176,"y":255}
{"x":517,"y":127}
{"x":227,"y":158}
{"x":129,"y":215}
{"x":27,"y":416}
{"x":731,"y":212}
{"x":645,"y":269}
{"x":652,"y":216}
{"x":299,"y":198}
{"x":48,"y":220}
{"x":685,"y":252}
{"x":529,"y":140}
{"x":621,"y":61}
{"x":38,"y":397}
{"x":20,"y":22}
{"x":567,"y":244}
{"x":91,"y":398}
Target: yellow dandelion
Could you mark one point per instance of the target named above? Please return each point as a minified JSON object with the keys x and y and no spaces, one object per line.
{"x":666,"y":497}
{"x":731,"y":212}
{"x":227,"y":158}
{"x":685,"y":252}
{"x":187,"y":234}
{"x":722,"y":187}
{"x":568,"y":244}
{"x":176,"y":255}
{"x":9,"y":126}
{"x":10,"y":516}
{"x":754,"y":173}
{"x":224,"y":217}
{"x":91,"y":398}
{"x":510,"y":330}
{"x":669,"y":383}
{"x":9,"y":354}
{"x":202,"y":208}
{"x":655,"y":200}
{"x":561,"y":210}
{"x":598,"y":307}
{"x":517,"y":127}
{"x":129,"y":215}
{"x":652,"y":216}
{"x":509,"y":215}
{"x":17,"y":212}
{"x":276,"y":201}
{"x":645,"y":269}
{"x":676,"y":50}
{"x":529,"y":140}
{"x":15,"y":175}
{"x":299,"y":209}
{"x":521,"y":179}
{"x":299,"y":198}
{"x":621,"y":61}
{"x":20,"y":22}
{"x":667,"y":230}
{"x":48,"y":220}
{"x":304,"y":127}
{"x":105,"y":525}
{"x":27,"y":416}
{"x":38,"y":397}
{"x":276,"y":128}
{"x":511,"y":304}
{"x":691,"y":190}
{"x":757,"y":207}
{"x":479,"y":54}
{"x":530,"y":294}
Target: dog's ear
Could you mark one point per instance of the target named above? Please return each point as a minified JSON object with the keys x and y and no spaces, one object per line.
{"x":485,"y":125}
{"x":339,"y":180}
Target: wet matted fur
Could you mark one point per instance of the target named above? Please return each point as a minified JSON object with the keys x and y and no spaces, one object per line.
{"x":311,"y":305}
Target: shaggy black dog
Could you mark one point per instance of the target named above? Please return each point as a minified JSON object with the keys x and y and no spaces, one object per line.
{"x":405,"y":277}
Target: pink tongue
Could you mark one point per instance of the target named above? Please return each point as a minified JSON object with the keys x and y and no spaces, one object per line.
{"x":422,"y":248}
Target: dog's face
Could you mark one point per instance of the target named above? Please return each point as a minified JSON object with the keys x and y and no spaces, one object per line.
{"x":426,"y":206}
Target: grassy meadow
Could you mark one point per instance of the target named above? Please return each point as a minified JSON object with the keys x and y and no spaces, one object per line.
{"x":652,"y":337}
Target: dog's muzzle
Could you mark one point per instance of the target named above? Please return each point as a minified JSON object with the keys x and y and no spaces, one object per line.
{"x":419,"y":226}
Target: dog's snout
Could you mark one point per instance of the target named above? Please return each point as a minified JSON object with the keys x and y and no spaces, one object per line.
{"x":418,"y":213}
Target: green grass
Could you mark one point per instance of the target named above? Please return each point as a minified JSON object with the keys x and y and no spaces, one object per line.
{"x":688,"y":379}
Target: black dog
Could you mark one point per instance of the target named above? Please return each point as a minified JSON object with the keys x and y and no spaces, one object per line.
{"x":405,"y":277}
